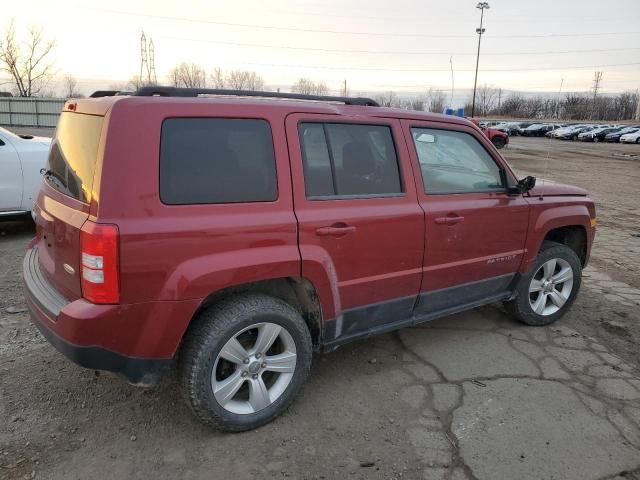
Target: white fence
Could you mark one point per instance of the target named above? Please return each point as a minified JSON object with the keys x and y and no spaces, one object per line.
{"x":30,"y":112}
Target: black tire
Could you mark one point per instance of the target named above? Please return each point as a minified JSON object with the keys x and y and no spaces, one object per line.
{"x":520,"y":307}
{"x":209,"y":333}
{"x":498,"y":142}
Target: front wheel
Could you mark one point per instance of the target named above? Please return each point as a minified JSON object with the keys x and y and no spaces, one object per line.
{"x":244,"y":361}
{"x":546,"y":292}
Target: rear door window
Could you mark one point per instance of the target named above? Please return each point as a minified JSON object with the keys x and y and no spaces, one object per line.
{"x":74,"y":153}
{"x":349,"y":160}
{"x":216,"y":160}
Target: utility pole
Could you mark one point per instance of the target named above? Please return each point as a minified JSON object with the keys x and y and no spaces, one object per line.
{"x":597,"y":78}
{"x":344,"y":91}
{"x":557,"y":107}
{"x":499,"y":99}
{"x":637,"y":116}
{"x":480,"y":32}
{"x":451,"y":65}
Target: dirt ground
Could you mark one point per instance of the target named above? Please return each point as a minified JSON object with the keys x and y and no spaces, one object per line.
{"x":472,"y":396}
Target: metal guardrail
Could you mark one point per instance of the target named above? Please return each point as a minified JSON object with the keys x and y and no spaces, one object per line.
{"x":30,"y":112}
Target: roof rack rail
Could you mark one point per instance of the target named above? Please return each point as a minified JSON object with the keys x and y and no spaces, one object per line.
{"x":108,"y":93}
{"x":195,"y":92}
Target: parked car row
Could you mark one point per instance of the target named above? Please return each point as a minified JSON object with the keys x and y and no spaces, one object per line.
{"x":586,"y":132}
{"x":598,"y":133}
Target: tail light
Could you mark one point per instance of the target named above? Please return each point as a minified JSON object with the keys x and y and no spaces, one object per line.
{"x":99,"y":262}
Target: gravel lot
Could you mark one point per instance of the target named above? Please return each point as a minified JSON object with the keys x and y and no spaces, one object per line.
{"x":473,"y":396}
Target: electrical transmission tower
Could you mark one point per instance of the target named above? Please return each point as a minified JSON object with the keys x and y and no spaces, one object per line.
{"x":152,"y":63}
{"x":597,"y":78}
{"x":147,"y":62}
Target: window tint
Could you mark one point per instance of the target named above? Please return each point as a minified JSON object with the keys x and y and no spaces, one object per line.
{"x":73,"y":154}
{"x":454,"y":162}
{"x":348,"y":159}
{"x":216,"y":160}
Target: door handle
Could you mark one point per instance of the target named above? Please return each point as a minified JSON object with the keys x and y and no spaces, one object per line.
{"x":335,"y":230}
{"x":448,"y":220}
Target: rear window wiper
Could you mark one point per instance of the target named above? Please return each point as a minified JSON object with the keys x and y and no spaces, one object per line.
{"x":56,"y":178}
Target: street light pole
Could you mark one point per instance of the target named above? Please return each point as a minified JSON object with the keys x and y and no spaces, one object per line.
{"x":479,"y":31}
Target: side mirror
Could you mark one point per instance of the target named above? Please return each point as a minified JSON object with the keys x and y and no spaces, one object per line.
{"x":523,"y":186}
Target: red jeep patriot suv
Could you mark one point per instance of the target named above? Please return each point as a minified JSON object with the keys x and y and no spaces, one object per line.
{"x":238,"y":232}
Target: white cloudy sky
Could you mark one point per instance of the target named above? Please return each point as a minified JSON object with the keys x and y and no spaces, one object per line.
{"x":377,"y":45}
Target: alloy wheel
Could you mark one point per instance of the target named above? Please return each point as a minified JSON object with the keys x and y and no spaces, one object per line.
{"x":254,"y":368}
{"x":551,"y":286}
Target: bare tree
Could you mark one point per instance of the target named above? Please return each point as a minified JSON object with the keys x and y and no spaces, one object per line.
{"x":576,"y":106}
{"x":188,"y":75}
{"x":389,"y":99}
{"x":135,"y":83}
{"x":306,"y":86}
{"x":245,"y":80}
{"x":70,"y":87}
{"x":28,"y":64}
{"x":418,"y":103}
{"x":513,"y":105}
{"x":486,"y":98}
{"x":436,"y":100}
{"x":321,"y":88}
{"x":217,"y":78}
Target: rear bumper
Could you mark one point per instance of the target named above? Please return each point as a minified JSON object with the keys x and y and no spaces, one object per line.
{"x":137,"y":341}
{"x":138,"y":371}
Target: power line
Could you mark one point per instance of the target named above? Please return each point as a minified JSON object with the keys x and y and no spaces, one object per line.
{"x":346,"y":32}
{"x":389,"y":52}
{"x":391,"y":68}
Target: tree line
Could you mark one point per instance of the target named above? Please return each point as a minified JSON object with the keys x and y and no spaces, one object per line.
{"x":491,"y":101}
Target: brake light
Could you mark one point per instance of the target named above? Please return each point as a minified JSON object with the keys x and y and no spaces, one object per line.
{"x":99,"y":262}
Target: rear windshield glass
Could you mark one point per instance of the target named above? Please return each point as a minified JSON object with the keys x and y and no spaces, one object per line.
{"x":73,"y":154}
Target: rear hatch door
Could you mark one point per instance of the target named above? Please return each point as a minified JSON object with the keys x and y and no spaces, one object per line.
{"x":64,"y":200}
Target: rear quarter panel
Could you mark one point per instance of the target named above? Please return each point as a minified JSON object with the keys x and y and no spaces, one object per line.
{"x":184,"y":252}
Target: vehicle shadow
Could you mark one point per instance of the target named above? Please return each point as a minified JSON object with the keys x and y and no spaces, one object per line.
{"x":15,"y":226}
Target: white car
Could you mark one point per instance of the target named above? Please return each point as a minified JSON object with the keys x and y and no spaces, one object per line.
{"x":631,"y":137}
{"x":21,"y":159}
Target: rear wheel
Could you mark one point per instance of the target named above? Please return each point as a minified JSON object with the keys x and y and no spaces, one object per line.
{"x":498,"y":142}
{"x":244,"y":361}
{"x":596,"y":139}
{"x":545,"y":293}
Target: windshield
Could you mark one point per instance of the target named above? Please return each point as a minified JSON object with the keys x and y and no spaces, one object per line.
{"x":73,"y":155}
